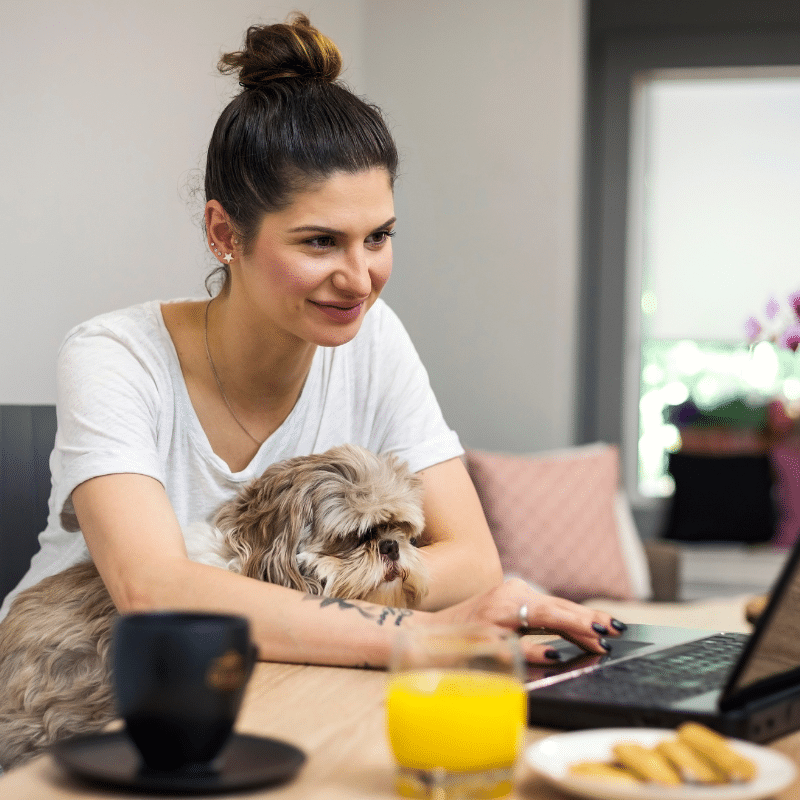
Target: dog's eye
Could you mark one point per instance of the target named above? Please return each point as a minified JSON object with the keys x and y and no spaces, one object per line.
{"x":414,"y":540}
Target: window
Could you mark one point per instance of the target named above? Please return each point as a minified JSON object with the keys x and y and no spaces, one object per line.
{"x":630,"y":42}
{"x":713,"y":234}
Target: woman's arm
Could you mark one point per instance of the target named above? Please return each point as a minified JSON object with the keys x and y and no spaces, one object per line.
{"x":466,"y":577}
{"x":460,"y":552}
{"x":137,"y":545}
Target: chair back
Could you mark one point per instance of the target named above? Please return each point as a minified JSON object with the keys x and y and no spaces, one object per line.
{"x":27,"y":436}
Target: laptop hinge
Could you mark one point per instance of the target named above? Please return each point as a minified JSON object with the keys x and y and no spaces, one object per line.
{"x":765,"y":690}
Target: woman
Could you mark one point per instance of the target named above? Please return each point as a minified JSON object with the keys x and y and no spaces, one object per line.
{"x":166,"y":409}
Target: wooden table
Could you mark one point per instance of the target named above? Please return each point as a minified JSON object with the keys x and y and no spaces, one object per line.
{"x":337,"y":717}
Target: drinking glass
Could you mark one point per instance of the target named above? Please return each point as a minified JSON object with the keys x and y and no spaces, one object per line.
{"x":456,"y":711}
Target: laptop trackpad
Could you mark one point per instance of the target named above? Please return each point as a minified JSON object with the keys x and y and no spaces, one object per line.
{"x":573,"y":657}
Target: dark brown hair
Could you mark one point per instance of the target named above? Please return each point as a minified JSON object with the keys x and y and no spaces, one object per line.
{"x":292,"y":125}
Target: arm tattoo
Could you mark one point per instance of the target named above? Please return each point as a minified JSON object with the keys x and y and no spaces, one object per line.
{"x":387,"y":613}
{"x":337,"y":601}
{"x":397,"y":613}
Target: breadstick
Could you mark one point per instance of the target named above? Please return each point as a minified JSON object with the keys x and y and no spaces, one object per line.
{"x":692,"y":767}
{"x":646,"y":764}
{"x":599,"y":771}
{"x":715,"y":748}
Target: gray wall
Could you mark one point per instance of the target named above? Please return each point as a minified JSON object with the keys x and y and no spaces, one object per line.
{"x":107,"y":110}
{"x":486,"y":99}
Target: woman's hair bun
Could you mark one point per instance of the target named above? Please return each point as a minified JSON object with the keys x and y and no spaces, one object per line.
{"x":293,"y":49}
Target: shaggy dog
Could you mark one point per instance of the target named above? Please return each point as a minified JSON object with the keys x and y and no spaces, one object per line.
{"x":344,"y":524}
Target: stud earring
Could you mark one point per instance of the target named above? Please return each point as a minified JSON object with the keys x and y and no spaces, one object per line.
{"x":215,"y":249}
{"x":229,"y":257}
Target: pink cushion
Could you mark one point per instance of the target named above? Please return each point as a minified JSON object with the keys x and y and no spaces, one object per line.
{"x":553,"y":518}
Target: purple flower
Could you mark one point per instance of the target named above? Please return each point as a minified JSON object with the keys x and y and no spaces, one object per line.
{"x":752,"y":329}
{"x":794,"y":302}
{"x":790,"y":338}
{"x":772,"y":308}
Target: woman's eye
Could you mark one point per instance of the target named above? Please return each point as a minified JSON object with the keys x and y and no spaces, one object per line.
{"x":321,"y":242}
{"x":379,"y":237}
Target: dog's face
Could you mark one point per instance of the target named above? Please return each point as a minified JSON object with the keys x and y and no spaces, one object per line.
{"x":344,"y":523}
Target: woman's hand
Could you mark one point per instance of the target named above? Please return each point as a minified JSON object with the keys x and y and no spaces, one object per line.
{"x":504,"y":606}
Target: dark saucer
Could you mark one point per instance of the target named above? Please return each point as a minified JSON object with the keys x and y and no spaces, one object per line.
{"x":245,"y":762}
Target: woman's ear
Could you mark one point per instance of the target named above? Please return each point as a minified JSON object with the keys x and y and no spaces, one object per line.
{"x":221,"y":236}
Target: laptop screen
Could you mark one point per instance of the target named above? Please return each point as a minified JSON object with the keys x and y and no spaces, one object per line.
{"x":774,"y":648}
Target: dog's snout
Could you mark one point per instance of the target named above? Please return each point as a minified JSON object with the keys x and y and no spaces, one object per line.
{"x":389,"y":548}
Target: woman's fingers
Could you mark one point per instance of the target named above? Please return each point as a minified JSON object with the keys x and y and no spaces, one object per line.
{"x":589,"y":629}
{"x":537,"y":653}
{"x":514,"y":603}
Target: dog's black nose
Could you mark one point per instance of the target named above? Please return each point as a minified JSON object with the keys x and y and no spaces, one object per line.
{"x":389,"y":548}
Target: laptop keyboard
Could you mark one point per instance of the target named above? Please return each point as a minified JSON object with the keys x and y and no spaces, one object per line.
{"x":657,"y":679}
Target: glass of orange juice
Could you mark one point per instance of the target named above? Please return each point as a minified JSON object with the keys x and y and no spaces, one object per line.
{"x":456,"y":711}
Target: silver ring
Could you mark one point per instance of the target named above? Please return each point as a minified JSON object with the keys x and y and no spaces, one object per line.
{"x":523,"y":615}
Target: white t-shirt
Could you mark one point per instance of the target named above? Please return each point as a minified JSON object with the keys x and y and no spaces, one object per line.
{"x":123,"y":407}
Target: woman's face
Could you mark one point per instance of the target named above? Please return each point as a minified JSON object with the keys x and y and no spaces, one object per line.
{"x":317,"y":266}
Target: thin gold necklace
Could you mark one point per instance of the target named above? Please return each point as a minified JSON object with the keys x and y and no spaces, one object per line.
{"x":219,"y":382}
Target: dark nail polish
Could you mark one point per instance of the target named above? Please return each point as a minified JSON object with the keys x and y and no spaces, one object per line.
{"x":598,"y":628}
{"x":605,"y":645}
{"x":619,"y":626}
{"x":553,"y":655}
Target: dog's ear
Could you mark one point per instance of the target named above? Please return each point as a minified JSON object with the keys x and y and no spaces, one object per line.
{"x":263,"y":527}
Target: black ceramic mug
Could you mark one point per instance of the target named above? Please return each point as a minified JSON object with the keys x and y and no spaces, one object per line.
{"x":179,"y":679}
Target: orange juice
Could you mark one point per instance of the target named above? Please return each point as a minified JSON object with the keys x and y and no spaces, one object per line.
{"x":459,"y":721}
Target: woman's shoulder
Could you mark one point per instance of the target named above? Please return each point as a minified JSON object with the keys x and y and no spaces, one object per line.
{"x":139,"y":322}
{"x":129,"y":318}
{"x":127,"y":353}
{"x":135,"y":334}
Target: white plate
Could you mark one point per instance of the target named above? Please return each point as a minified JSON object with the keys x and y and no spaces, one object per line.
{"x":551,"y":757}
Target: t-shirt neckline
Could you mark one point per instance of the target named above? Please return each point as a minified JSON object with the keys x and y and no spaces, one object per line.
{"x":196,"y":431}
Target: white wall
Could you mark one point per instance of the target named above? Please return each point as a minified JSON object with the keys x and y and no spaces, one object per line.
{"x":107,"y":108}
{"x":485,"y":100}
{"x":108,"y":105}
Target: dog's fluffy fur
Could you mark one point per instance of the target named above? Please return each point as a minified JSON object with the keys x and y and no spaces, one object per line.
{"x":344,"y":524}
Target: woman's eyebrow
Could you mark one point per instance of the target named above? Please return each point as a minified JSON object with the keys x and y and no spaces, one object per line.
{"x":333,"y":231}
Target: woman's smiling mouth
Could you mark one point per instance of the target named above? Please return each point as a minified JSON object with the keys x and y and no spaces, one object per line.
{"x":339,"y":313}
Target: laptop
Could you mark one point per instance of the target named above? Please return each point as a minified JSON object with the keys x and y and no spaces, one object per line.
{"x":745,"y":686}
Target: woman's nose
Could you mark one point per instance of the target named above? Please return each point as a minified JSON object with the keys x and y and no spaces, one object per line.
{"x":353,"y":276}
